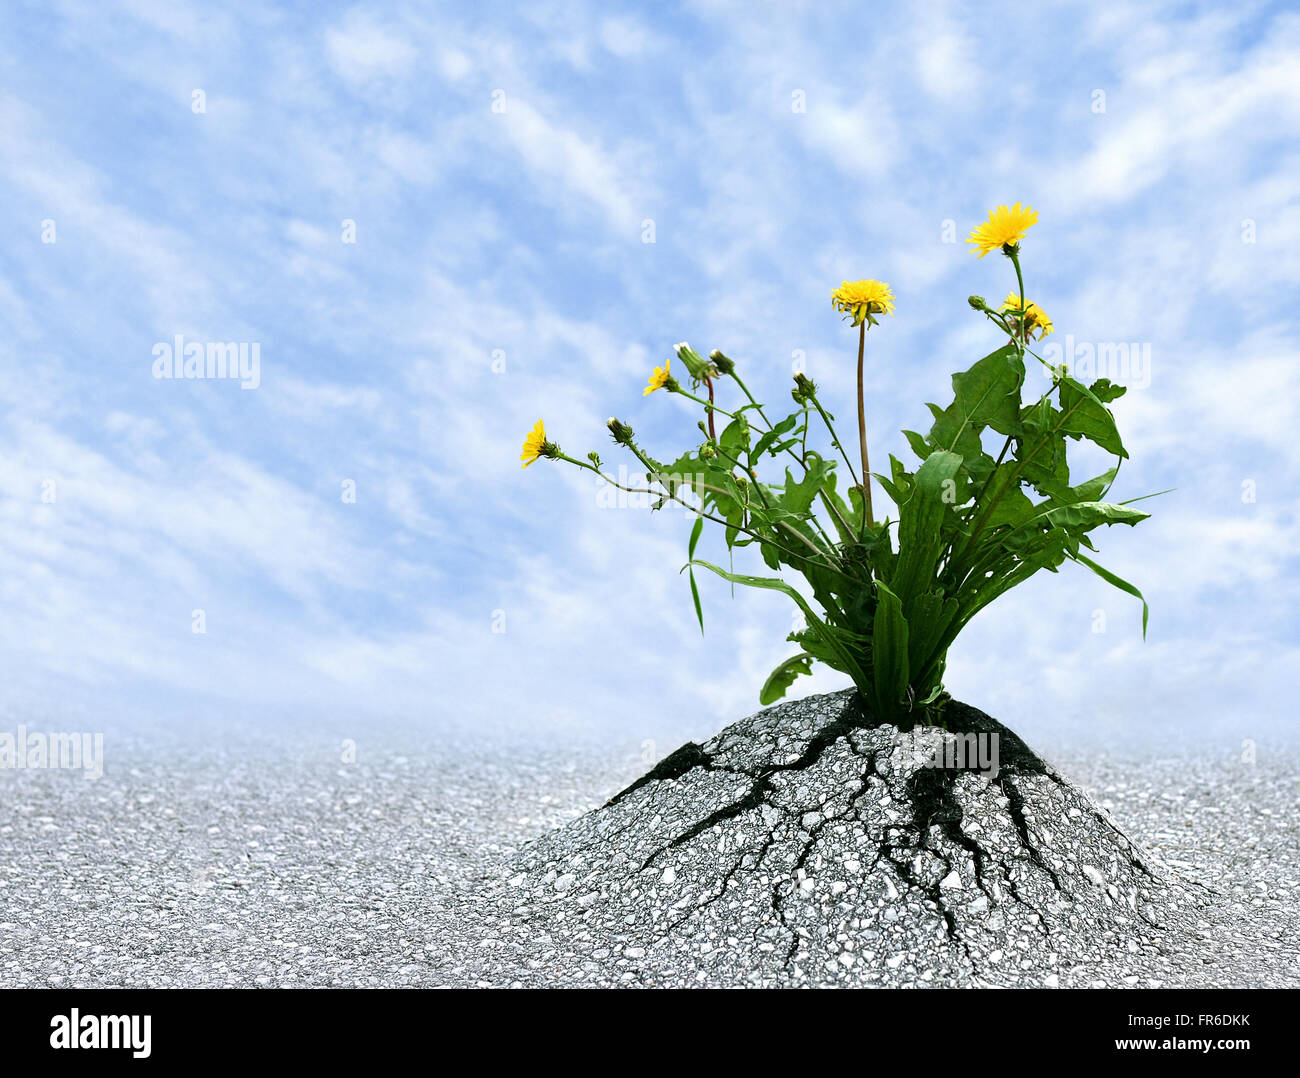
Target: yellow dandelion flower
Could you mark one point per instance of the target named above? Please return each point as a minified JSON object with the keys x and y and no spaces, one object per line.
{"x":861,"y":299}
{"x":1035,"y":317}
{"x":659,"y":378}
{"x":533,"y":444}
{"x":1006,"y":225}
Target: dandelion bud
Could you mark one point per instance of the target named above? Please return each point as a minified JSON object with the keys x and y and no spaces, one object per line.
{"x":724,"y":365}
{"x":694,"y":362}
{"x":619,"y":431}
{"x":804,"y":389}
{"x":594,"y":457}
{"x":977,"y":303}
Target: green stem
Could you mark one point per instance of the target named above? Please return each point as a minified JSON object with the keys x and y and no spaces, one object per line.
{"x":868,"y":517}
{"x":1020,"y":280}
{"x":828,"y":553}
{"x":801,"y":458}
{"x":707,"y":516}
{"x":835,"y":438}
{"x":709,"y":406}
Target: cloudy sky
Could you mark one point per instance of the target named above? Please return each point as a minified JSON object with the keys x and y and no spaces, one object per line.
{"x":433,"y":226}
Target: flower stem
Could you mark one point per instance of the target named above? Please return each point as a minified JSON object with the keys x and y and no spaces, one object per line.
{"x":1020,"y":280}
{"x":801,"y":458}
{"x":709,"y":406}
{"x":868,"y":518}
{"x":830,"y":561}
{"x":835,"y":438}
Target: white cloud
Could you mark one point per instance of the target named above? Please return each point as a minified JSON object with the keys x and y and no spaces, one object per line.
{"x":362,"y":49}
{"x":570,"y":165}
{"x":627,"y":37}
{"x":861,"y":138}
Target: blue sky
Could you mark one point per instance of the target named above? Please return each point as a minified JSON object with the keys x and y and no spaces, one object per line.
{"x":498,"y":166}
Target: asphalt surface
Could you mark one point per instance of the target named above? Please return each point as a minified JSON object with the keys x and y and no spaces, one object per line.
{"x":269,"y":859}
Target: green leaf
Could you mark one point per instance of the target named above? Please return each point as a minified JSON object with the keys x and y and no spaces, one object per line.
{"x":919,"y":445}
{"x":690,"y":553}
{"x":780,"y":679}
{"x":765,"y":442}
{"x":834,"y":643}
{"x":735,"y":438}
{"x":1084,"y":416}
{"x":1106,"y":391}
{"x":1084,"y":516}
{"x":1118,"y":582}
{"x":695,"y":536}
{"x":889,"y":654}
{"x":734,"y":523}
{"x":1091,"y":490}
{"x":920,"y":521}
{"x":986,"y":395}
{"x":1041,"y":453}
{"x":1014,"y":506}
{"x":681,"y":475}
{"x":898,"y":484}
{"x":931,"y":618}
{"x":798,"y":496}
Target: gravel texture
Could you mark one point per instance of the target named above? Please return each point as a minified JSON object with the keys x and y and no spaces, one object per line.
{"x":784,"y":851}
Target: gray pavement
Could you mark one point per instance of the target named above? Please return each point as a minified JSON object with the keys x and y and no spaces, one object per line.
{"x":251,"y":859}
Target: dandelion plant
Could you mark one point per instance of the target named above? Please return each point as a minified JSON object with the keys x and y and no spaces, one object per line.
{"x":884,"y":599}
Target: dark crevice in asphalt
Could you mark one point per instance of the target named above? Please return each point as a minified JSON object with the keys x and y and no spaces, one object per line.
{"x":673,"y":766}
{"x":761,"y":783}
{"x":1016,"y":809}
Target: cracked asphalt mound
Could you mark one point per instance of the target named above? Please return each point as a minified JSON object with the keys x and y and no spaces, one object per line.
{"x":803,"y":846}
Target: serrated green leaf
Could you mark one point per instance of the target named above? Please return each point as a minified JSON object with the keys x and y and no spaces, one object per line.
{"x":798,"y":496}
{"x":1106,"y":391}
{"x":986,"y":395}
{"x":918,"y":443}
{"x":932,"y":616}
{"x":1088,"y":515}
{"x":1084,"y":416}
